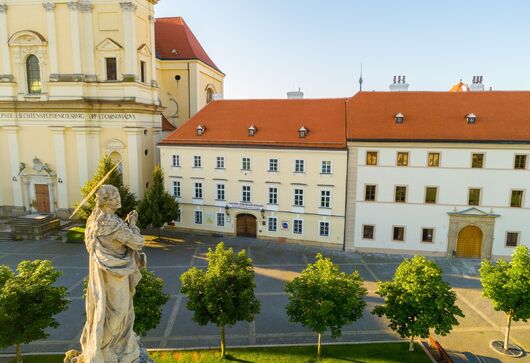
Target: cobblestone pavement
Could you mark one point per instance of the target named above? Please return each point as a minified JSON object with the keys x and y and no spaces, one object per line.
{"x":274,"y":263}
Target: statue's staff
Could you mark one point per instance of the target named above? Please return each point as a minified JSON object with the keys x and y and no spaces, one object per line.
{"x":94,"y":190}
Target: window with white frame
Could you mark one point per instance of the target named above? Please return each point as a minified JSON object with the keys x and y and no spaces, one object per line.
{"x":298,"y":226}
{"x":220,"y":192}
{"x":220,"y":219}
{"x":197,"y":161}
{"x":273,"y":195}
{"x":220,"y":162}
{"x":272,"y":224}
{"x":299,"y":166}
{"x":198,"y":217}
{"x":325,"y":167}
{"x":176,"y":188}
{"x":198,"y":191}
{"x":273,"y":165}
{"x":324,"y":229}
{"x":298,"y":197}
{"x":245,"y":164}
{"x":175,"y":160}
{"x":245,"y":193}
{"x":325,"y":199}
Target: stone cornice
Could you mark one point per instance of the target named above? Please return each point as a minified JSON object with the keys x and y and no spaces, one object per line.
{"x":83,"y":6}
{"x":128,"y":6}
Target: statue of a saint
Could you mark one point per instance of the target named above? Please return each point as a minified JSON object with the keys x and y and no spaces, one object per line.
{"x":115,"y":265}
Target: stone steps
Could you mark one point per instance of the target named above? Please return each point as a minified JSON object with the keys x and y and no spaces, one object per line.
{"x":5,"y":237}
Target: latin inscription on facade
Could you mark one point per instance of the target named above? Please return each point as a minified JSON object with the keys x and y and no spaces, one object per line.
{"x":65,"y":116}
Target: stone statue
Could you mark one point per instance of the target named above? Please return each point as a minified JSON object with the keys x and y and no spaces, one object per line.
{"x":115,"y":263}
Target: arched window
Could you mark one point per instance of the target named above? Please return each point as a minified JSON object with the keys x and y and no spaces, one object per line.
{"x":209,"y":95}
{"x":33,"y":74}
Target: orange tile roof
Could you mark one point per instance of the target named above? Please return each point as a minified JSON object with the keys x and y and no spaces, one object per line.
{"x":277,"y":123}
{"x":501,"y":116}
{"x":166,"y":125}
{"x":174,"y":34}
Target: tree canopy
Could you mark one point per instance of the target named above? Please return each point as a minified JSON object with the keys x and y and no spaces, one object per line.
{"x":149,"y":299}
{"x":418,"y":300}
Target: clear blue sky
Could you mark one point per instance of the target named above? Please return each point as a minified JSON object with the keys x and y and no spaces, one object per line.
{"x":268,"y":47}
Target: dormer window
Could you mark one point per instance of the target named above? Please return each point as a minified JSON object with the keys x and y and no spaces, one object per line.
{"x":302,"y":132}
{"x":252,"y":130}
{"x":200,"y":130}
{"x":471,"y":118}
{"x":399,"y":118}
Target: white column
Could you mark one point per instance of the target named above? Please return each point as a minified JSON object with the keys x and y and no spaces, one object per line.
{"x":60,"y":166}
{"x":51,"y":191}
{"x":27,"y":184}
{"x":82,"y":154}
{"x":129,"y":31}
{"x":195,"y":89}
{"x":134,"y":163}
{"x":152,"y":47}
{"x":12,"y":141}
{"x":88,"y":36}
{"x":52,"y":38}
{"x":95,"y":153}
{"x":4,"y":46}
{"x":74,"y":33}
{"x":157,"y":136}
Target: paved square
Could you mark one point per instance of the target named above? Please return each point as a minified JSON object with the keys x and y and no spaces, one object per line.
{"x":274,"y":263}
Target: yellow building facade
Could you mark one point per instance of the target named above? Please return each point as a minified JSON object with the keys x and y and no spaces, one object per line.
{"x":80,"y":80}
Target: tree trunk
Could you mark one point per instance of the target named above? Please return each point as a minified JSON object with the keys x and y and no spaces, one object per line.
{"x":507,"y":335}
{"x":411,"y":344}
{"x":159,"y":240}
{"x":19,"y":354}
{"x":319,"y":346}
{"x":223,"y":347}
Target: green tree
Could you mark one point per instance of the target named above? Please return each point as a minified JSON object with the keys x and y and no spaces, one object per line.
{"x":325,"y":298}
{"x":418,"y":300}
{"x":507,"y":285}
{"x":128,"y":200}
{"x":158,"y":206}
{"x":28,"y":303}
{"x":223,"y":294}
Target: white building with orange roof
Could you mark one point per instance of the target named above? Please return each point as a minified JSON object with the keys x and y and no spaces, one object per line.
{"x":272,"y":169}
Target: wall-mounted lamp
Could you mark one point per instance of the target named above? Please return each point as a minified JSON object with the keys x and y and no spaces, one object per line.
{"x":14,"y":179}
{"x":60,"y":181}
{"x":227,"y":210}
{"x":262,"y":212}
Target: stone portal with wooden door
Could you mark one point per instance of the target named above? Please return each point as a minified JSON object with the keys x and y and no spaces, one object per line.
{"x":469,"y":242}
{"x":42,"y":198}
{"x":246,"y":225}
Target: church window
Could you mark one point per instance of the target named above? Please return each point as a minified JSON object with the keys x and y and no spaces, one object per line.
{"x":209,"y":95}
{"x":33,"y":74}
{"x":112,"y":69}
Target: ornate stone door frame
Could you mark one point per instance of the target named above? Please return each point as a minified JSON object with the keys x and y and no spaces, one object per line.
{"x":471,"y":217}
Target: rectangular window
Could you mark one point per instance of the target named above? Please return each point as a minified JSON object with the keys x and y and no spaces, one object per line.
{"x":369,"y":193}
{"x":197,"y":161}
{"x":143,"y":73}
{"x":398,"y":233}
{"x":245,"y":164}
{"x":111,"y":68}
{"x":220,"y":219}
{"x":368,"y":232}
{"x":245,"y":193}
{"x":198,"y":217}
{"x":298,"y":226}
{"x":371,"y":158}
{"x":325,"y":199}
{"x":520,"y":162}
{"x":299,"y":197}
{"x":402,"y":159}
{"x":324,"y":229}
{"x":273,"y":164}
{"x":401,"y":194}
{"x":220,"y":162}
{"x":176,"y":188}
{"x":179,"y":216}
{"x":220,"y":192}
{"x":516,"y":199}
{"x":474,"y":196}
{"x":477,"y":161}
{"x":299,"y":166}
{"x":273,"y":195}
{"x":434,"y":160}
{"x":325,"y":167}
{"x":431,"y":194}
{"x":512,"y":239}
{"x":272,"y":224}
{"x":198,"y":190}
{"x":427,"y":235}
{"x":175,"y":160}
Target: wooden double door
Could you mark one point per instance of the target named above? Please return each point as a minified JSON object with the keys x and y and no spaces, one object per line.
{"x":246,"y":225}
{"x":42,"y":198}
{"x":469,"y":242}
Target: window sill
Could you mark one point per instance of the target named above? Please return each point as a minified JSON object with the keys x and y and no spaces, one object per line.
{"x":197,"y":167}
{"x":175,"y":166}
{"x":220,"y":169}
{"x":328,"y":174}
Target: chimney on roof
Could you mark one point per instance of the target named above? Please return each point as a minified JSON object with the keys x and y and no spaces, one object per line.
{"x":476,"y":84}
{"x":399,"y":84}
{"x":295,"y":95}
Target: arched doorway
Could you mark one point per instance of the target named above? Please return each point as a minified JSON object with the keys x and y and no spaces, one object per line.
{"x":246,"y":225}
{"x":469,"y":242}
